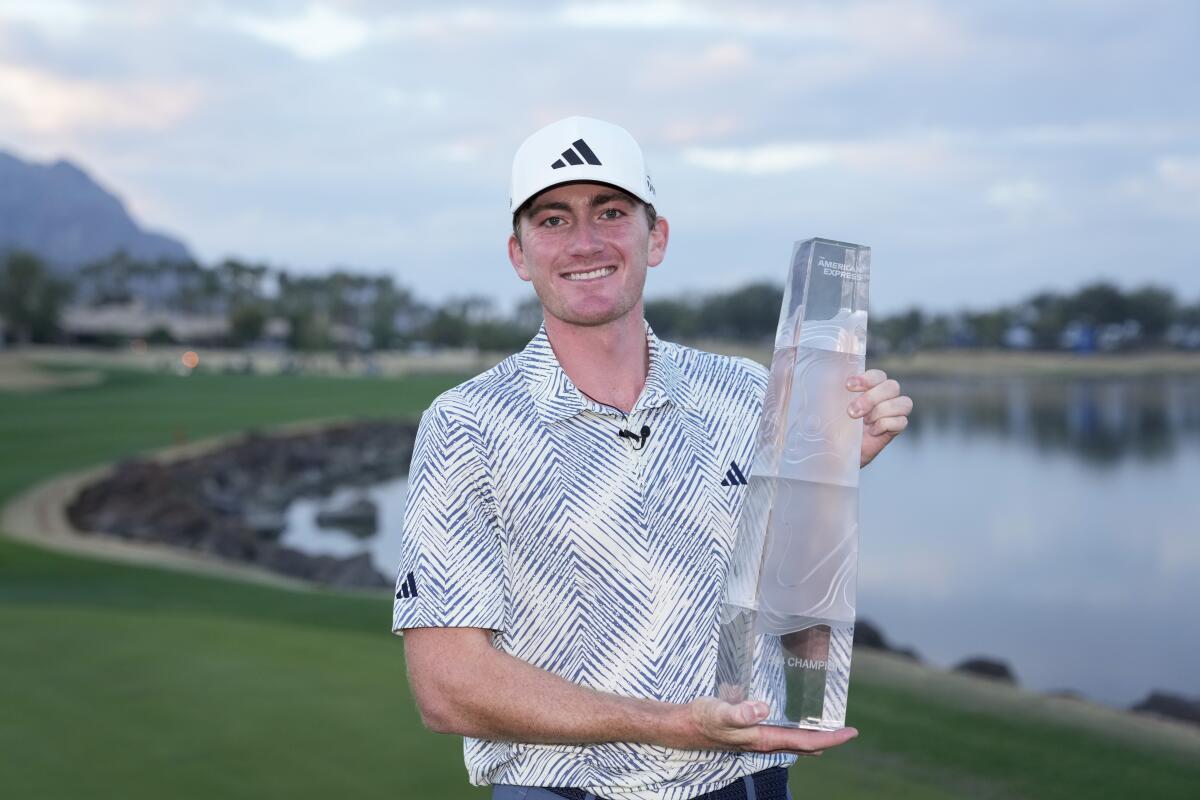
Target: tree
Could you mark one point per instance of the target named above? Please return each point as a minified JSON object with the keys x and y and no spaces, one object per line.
{"x":30,"y":297}
{"x":750,"y":313}
{"x":246,"y":323}
{"x":1154,"y":309}
{"x":673,"y":319}
{"x":1100,"y":304}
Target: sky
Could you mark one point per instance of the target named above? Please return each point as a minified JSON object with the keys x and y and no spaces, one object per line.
{"x":984,"y":151}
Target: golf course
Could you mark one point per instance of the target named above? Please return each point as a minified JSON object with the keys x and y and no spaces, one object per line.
{"x":119,"y":680}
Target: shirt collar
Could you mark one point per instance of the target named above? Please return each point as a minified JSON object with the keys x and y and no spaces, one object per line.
{"x":557,"y":398}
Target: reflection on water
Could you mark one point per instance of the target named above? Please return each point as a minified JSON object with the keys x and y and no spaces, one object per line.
{"x":1101,"y":421}
{"x":1052,"y":523}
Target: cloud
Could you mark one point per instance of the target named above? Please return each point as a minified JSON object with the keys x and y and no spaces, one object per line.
{"x":762,"y":159}
{"x":1021,"y":197}
{"x":1170,"y":186}
{"x":422,"y":100}
{"x":924,"y":153}
{"x":869,"y":29}
{"x":43,"y":103}
{"x":646,"y":15}
{"x":318,"y":32}
{"x":56,"y":18}
{"x":1099,"y":133}
{"x":1179,"y":172}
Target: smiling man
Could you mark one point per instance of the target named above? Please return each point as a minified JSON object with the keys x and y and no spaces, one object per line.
{"x":568,"y":526}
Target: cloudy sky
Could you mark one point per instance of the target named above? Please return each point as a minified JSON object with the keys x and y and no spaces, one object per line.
{"x":984,"y":150}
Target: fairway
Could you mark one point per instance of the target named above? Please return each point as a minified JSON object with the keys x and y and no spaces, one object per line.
{"x":132,"y":682}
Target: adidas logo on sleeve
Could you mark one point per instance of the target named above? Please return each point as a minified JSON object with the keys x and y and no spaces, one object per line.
{"x":408,"y":589}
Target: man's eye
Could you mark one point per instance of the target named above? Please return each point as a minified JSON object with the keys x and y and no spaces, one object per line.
{"x":612,"y":213}
{"x":553,"y":222}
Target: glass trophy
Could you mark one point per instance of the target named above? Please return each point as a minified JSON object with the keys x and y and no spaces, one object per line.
{"x":787,"y":622}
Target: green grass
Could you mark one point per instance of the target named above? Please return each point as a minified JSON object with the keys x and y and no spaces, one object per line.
{"x":122,"y":681}
{"x":131,"y":411}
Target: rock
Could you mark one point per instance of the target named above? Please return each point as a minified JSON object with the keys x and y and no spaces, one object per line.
{"x":869,"y":636}
{"x":359,"y":516}
{"x":990,"y":668}
{"x":351,"y":572}
{"x":1173,"y":706}
{"x":264,"y":522}
{"x":230,"y":502}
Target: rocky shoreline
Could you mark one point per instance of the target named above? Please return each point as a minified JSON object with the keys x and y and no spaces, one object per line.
{"x":230,"y":502}
{"x":1158,"y":703}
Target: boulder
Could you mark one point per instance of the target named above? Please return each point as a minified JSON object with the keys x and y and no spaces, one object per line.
{"x":1173,"y":706}
{"x":990,"y":668}
{"x":867,"y":635}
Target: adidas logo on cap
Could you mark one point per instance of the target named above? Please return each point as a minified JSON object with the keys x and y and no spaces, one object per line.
{"x":570,"y":156}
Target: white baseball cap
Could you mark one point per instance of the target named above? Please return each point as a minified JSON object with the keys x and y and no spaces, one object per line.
{"x":579,"y":149}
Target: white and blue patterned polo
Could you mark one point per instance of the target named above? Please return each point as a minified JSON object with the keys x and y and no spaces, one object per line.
{"x":597,"y":557}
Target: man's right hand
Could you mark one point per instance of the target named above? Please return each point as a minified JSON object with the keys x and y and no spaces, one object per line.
{"x":463,"y":685}
{"x":719,"y":725}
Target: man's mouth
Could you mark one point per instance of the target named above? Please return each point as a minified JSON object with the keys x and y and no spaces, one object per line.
{"x":599,"y":272}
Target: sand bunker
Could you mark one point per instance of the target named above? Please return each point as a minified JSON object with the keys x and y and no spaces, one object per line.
{"x":19,"y":374}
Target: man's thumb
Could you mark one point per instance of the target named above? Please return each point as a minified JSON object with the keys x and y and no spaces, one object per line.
{"x":749,"y":713}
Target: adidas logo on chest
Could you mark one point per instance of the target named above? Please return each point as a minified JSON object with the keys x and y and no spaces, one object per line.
{"x":734,"y":475}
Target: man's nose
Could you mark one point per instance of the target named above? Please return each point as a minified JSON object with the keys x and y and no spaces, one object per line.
{"x":585,"y":238}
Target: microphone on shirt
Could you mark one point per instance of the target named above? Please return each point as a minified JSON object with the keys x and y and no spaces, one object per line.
{"x":625,"y":433}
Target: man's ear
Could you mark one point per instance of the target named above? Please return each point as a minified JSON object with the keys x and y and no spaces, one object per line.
{"x":659,"y":235}
{"x":516,"y":255}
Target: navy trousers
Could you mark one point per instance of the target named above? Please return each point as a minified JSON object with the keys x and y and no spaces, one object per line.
{"x":507,"y":792}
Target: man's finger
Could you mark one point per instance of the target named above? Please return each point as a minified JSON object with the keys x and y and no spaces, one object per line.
{"x":866,"y":380}
{"x":738,"y":715}
{"x":892,"y":425}
{"x":895,"y":407}
{"x":751,"y":713}
{"x":805,"y":742}
{"x":886,"y":390}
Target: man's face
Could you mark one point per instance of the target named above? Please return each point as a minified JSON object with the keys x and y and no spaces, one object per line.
{"x":586,"y":247}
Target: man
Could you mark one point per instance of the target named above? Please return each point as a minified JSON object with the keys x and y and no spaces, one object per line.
{"x":567,"y":531}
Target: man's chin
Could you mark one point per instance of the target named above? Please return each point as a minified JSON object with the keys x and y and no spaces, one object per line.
{"x":592,"y":318}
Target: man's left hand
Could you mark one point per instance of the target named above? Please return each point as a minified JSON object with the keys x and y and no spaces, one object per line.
{"x":883,"y":410}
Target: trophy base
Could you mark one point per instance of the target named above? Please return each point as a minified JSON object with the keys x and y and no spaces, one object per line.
{"x":806,"y":671}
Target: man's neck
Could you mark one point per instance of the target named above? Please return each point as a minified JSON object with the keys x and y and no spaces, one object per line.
{"x":609,"y":362}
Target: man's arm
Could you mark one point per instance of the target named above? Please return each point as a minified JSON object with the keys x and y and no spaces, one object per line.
{"x":463,"y":685}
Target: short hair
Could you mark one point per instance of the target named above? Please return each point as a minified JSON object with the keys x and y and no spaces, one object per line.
{"x":651,"y":213}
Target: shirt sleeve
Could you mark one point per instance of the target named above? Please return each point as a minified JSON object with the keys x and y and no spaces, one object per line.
{"x":451,"y":571}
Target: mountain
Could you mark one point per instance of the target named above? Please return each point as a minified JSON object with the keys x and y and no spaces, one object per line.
{"x":58,"y":212}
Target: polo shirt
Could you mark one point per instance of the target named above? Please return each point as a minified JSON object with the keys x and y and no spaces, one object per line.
{"x":597,"y":557}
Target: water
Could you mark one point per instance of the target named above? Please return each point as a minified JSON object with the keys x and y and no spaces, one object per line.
{"x":302,"y":532}
{"x":1053,"y":524}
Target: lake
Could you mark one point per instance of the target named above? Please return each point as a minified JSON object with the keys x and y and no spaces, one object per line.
{"x":1054,"y":524}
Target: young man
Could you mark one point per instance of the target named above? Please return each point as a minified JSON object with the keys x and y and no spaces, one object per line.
{"x":567,"y":533}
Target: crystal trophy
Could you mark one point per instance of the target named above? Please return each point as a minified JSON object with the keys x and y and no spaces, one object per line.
{"x":787,"y":621}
